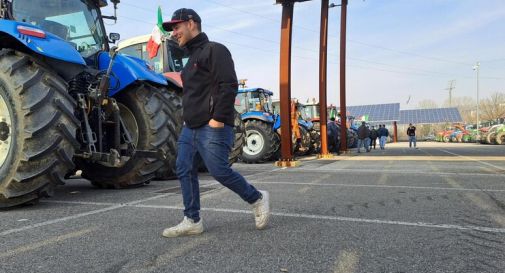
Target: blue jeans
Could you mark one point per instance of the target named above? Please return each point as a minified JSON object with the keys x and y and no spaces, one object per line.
{"x":412,"y":139}
{"x":214,"y":146}
{"x":364,"y":142}
{"x":382,"y":141}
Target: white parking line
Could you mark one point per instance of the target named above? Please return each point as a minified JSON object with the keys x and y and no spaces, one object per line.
{"x":294,"y":215}
{"x":473,"y":159}
{"x":393,"y":171}
{"x":79,"y":215}
{"x":378,"y":186}
{"x":343,"y":219}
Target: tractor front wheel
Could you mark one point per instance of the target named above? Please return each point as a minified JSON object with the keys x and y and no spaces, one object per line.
{"x":261,"y":142}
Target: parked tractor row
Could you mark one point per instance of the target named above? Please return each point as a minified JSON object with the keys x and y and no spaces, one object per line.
{"x":488,"y":135}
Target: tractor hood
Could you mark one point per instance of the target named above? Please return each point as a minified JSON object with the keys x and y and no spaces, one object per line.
{"x":127,"y":70}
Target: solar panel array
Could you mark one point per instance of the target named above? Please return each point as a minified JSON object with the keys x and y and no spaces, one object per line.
{"x":376,"y":112}
{"x":430,"y":116}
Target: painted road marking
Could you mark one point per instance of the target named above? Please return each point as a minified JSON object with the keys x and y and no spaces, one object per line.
{"x":325,"y":217}
{"x":79,"y":215}
{"x":378,"y":186}
{"x":456,"y":157}
{"x":339,"y":218}
{"x":53,"y":240}
{"x":392,"y":171}
{"x":479,"y":159}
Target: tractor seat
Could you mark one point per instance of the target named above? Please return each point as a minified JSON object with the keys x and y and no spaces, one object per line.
{"x":55,"y":28}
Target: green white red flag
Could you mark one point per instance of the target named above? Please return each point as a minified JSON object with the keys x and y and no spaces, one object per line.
{"x":154,"y":42}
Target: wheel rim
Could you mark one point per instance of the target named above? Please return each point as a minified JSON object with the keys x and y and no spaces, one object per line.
{"x":130,"y":122}
{"x":5,"y":131}
{"x":254,"y":142}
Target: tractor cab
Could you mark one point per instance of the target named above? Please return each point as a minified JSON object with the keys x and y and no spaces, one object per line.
{"x":77,"y":22}
{"x":255,"y":102}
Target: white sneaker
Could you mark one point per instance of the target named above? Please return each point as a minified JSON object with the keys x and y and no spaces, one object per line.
{"x":261,"y":209}
{"x":186,"y":227}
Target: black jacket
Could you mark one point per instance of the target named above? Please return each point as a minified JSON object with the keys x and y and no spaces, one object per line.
{"x":209,"y":83}
{"x":411,"y":131}
{"x":363,"y":132}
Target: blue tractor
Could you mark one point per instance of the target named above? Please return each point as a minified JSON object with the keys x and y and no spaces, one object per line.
{"x":261,"y":124}
{"x":68,"y":101}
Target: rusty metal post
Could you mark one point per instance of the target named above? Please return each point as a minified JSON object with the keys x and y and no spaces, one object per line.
{"x":343,"y":110}
{"x":323,"y":63}
{"x":285,"y":84}
{"x":395,"y":132}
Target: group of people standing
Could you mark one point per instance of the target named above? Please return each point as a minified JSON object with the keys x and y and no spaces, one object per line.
{"x":368,"y":137}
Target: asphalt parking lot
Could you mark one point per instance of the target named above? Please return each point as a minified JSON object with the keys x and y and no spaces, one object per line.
{"x":440,"y":208}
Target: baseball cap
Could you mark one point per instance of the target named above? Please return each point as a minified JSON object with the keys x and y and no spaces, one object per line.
{"x":181,"y":15}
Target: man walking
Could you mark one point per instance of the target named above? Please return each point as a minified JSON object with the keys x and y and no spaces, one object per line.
{"x":383,"y":135}
{"x":411,"y":133}
{"x":210,"y":86}
{"x":373,"y":137}
{"x":363,"y":137}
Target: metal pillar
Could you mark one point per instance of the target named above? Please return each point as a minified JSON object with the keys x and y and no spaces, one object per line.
{"x":395,"y":132}
{"x":285,"y":85}
{"x":343,"y":110}
{"x":323,"y":63}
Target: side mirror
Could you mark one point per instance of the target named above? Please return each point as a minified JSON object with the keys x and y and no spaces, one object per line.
{"x":113,"y":37}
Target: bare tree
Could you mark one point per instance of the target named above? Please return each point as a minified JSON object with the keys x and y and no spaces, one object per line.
{"x":466,"y":107}
{"x":493,"y":107}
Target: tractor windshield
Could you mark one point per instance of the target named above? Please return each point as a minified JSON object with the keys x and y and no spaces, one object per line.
{"x":310,"y":112}
{"x":259,"y":101}
{"x":76,"y":21}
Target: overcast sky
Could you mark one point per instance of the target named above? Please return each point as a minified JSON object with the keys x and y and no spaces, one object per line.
{"x":395,"y":48}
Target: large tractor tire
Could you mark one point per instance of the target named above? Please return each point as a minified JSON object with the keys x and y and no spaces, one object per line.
{"x":315,"y":138}
{"x":153,"y":118}
{"x":37,"y":130}
{"x":261,"y":142}
{"x":238,"y":143}
{"x":240,"y":139}
{"x":491,"y":137}
{"x":500,"y":138}
{"x":304,"y":147}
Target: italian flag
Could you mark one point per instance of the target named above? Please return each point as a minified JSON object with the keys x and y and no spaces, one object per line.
{"x":154,"y":42}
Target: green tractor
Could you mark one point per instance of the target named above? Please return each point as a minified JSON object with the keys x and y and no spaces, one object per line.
{"x":500,"y":135}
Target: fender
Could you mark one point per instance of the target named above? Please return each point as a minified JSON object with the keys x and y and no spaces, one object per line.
{"x":51,"y":46}
{"x":277,"y":123}
{"x":266,"y":117}
{"x":306,"y":124}
{"x":127,"y":70}
{"x":174,"y":78}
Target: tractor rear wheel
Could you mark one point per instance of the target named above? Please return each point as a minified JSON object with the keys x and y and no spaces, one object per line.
{"x":305,"y":144}
{"x":37,"y":129}
{"x":152,"y":116}
{"x":239,"y":141}
{"x":315,"y":138}
{"x":500,"y":138}
{"x":261,"y":142}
